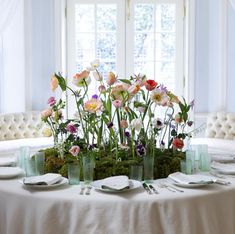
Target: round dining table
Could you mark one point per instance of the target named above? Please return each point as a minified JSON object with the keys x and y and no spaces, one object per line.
{"x":208,"y":209}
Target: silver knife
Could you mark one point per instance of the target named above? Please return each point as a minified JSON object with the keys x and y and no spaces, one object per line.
{"x":154,"y":190}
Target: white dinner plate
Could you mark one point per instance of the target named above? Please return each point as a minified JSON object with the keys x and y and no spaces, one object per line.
{"x":133,"y":185}
{"x":224,"y":168}
{"x":184,"y":185}
{"x":63,"y":181}
{"x":10,"y":172}
{"x":4,"y":161}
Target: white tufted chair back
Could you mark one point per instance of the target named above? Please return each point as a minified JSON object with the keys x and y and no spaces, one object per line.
{"x":221,"y":125}
{"x":20,"y":125}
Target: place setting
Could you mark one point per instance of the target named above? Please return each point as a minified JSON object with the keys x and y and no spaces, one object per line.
{"x":9,"y":169}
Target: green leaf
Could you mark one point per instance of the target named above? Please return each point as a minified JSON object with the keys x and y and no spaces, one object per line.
{"x":62,"y":81}
{"x":125,"y":81}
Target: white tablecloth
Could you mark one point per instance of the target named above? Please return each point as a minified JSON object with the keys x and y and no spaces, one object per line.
{"x":205,"y":210}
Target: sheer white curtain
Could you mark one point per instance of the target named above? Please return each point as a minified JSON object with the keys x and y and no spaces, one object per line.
{"x":232,"y":2}
{"x":8,"y":10}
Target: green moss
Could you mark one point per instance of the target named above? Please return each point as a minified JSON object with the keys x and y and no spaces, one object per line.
{"x":165,"y":162}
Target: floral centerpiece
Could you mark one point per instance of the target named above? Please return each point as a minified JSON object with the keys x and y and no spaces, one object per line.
{"x":124,"y":121}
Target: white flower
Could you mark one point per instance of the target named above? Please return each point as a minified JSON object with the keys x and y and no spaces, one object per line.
{"x":136,"y":124}
{"x":97,"y":75}
{"x":157,"y":123}
{"x":95,"y":63}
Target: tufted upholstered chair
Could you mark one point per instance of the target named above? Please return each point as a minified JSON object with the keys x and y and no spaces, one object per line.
{"x":22,"y":129}
{"x":221,"y":125}
{"x":20,"y":125}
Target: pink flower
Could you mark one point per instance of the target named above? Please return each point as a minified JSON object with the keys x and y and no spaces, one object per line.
{"x":71,"y":128}
{"x":123,"y":124}
{"x":51,"y":101}
{"x":93,"y":105}
{"x":102,"y":89}
{"x":82,"y":79}
{"x":117,"y":103}
{"x":46,"y":113}
{"x":54,"y":83}
{"x":74,"y":150}
{"x":111,"y":78}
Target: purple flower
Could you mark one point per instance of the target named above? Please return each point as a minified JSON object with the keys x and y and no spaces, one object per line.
{"x":191,"y":104}
{"x":110,"y":124}
{"x":51,"y":101}
{"x":163,"y":88}
{"x":95,"y":96}
{"x":71,"y":128}
{"x":127,"y":134}
{"x":140,"y":149}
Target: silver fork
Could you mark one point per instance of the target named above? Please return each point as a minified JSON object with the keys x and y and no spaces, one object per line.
{"x":88,"y":191}
{"x":82,"y":189}
{"x":161,"y":185}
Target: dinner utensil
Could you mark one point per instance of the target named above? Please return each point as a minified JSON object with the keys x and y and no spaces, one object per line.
{"x":147,"y":189}
{"x":88,"y":191}
{"x":82,"y":189}
{"x":173,"y":187}
{"x":161,"y":185}
{"x":153,"y":189}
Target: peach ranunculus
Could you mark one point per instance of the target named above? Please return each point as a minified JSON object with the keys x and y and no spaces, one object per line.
{"x":111,"y":79}
{"x":46,"y":113}
{"x":150,"y":84}
{"x":74,"y":150}
{"x":119,"y":92}
{"x":82,"y":79}
{"x":54,"y":83}
{"x":178,"y":143}
{"x":123,"y":124}
{"x":93,"y":105}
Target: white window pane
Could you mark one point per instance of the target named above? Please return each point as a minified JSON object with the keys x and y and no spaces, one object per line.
{"x":144,"y":17}
{"x":106,"y":17}
{"x":84,"y":17}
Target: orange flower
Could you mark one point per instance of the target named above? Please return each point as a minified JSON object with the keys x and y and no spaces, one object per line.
{"x":111,"y":78}
{"x":54,"y":83}
{"x":150,"y":85}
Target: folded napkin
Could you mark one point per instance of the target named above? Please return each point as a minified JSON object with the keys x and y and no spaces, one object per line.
{"x":223,"y":157}
{"x":47,"y":179}
{"x":224,"y":167}
{"x":116,"y":183}
{"x":7,"y":161}
{"x":190,"y":179}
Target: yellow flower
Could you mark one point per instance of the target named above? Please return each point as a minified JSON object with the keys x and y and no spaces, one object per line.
{"x":47,"y":132}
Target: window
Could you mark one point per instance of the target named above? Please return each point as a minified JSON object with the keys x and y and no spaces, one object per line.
{"x":128,"y":37}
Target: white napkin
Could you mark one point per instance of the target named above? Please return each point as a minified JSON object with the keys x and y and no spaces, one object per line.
{"x":223,"y":157}
{"x":116,"y":183}
{"x":47,"y":179}
{"x":190,"y":179}
{"x":224,"y":167}
{"x":6,"y":161}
